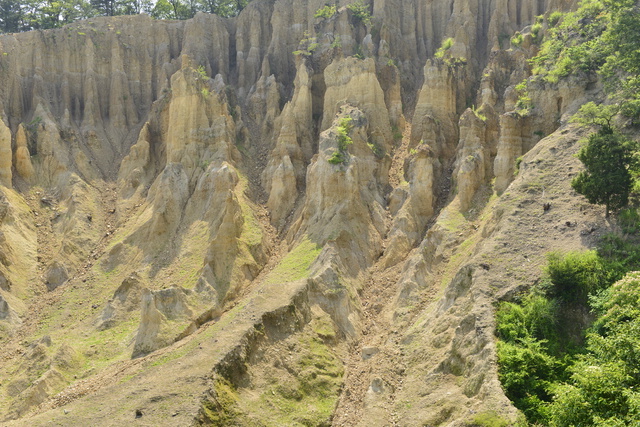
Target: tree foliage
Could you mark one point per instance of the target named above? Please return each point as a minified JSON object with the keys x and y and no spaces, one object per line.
{"x":606,"y":180}
{"x":16,"y":16}
{"x":600,"y":38}
{"x":593,"y":383}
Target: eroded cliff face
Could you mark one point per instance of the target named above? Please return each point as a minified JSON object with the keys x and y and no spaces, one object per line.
{"x":211,"y":220}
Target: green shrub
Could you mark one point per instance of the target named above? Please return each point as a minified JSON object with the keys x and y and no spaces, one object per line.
{"x":536,"y":32}
{"x":517,"y":39}
{"x":518,"y":163}
{"x":202,"y":72}
{"x":524,"y":105}
{"x":554,"y":18}
{"x":326,"y":11}
{"x":575,"y":275}
{"x":444,"y":47}
{"x":344,"y":140}
{"x":629,"y":220}
{"x":307,"y":45}
{"x":337,"y":158}
{"x":596,"y":382}
{"x":489,"y":419}
{"x":360,"y":12}
{"x":377,"y":151}
{"x":620,"y":254}
{"x":602,"y":390}
{"x":608,"y":158}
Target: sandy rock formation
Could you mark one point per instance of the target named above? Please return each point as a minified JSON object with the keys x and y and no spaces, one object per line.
{"x":161,"y":310}
{"x":474,"y":158}
{"x":134,"y":170}
{"x":354,"y":81}
{"x":283,"y":178}
{"x":126,"y":299}
{"x":200,"y":128}
{"x":437,"y":100}
{"x":180,"y":247}
{"x":416,"y":210}
{"x":22,"y":156}
{"x":5,"y":155}
{"x":343,"y":203}
{"x":514,"y":136}
{"x":57,"y":275}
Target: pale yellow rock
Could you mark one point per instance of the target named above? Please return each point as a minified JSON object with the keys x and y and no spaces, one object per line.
{"x":5,"y":155}
{"x":199,"y":127}
{"x":22,"y":157}
{"x":159,"y":310}
{"x":134,"y":165}
{"x":473,"y":156}
{"x":343,"y":204}
{"x":509,"y":149}
{"x":408,"y":225}
{"x":437,"y":99}
{"x":285,"y":171}
{"x":353,"y":81}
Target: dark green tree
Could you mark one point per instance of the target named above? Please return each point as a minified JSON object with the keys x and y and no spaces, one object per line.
{"x":603,"y":389}
{"x":224,"y":8}
{"x":606,"y":180}
{"x":11,"y":16}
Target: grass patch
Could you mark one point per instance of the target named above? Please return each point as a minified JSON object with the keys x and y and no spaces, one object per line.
{"x":307,"y":394}
{"x":251,"y":229}
{"x":489,"y":419}
{"x":296,"y":264}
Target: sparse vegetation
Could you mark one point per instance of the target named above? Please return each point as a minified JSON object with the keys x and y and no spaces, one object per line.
{"x":554,"y":18}
{"x":296,"y":264}
{"x":307,"y":45}
{"x":444,"y":47}
{"x":536,"y":30}
{"x":517,"y":39}
{"x":518,"y":163}
{"x":600,"y":38}
{"x":360,"y":12}
{"x":326,"y":12}
{"x":202,"y":72}
{"x":397,"y":133}
{"x":339,"y":156}
{"x":377,"y":151}
{"x":478,"y":113}
{"x":489,"y":419}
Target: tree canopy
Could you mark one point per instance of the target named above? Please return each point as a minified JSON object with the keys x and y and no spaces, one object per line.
{"x":607,"y":179}
{"x":16,"y":16}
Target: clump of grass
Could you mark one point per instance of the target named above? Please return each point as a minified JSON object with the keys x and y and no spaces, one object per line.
{"x":360,"y":12}
{"x":344,"y":140}
{"x":296,"y":264}
{"x":517,"y":39}
{"x":444,"y":47}
{"x":326,"y":12}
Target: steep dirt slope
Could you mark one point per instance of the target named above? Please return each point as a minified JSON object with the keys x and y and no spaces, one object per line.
{"x":275,"y":219}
